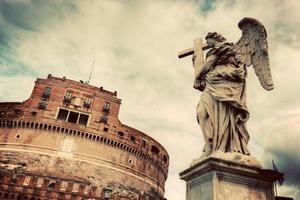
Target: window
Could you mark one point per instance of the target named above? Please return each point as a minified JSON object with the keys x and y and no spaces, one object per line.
{"x":106,"y":107}
{"x":87,"y":102}
{"x":63,"y":186}
{"x":105,"y":111}
{"x":120,"y":134}
{"x":18,"y":136}
{"x":154,"y":150}
{"x":87,"y":189}
{"x":83,"y":119}
{"x":132,"y":138}
{"x":47,"y":92}
{"x":72,"y":117}
{"x":144,"y":142}
{"x":75,"y":187}
{"x":165,"y":159}
{"x":14,"y":178}
{"x":68,"y":97}
{"x":51,"y":186}
{"x":105,"y":129}
{"x":39,"y":182}
{"x":107,"y":193}
{"x":2,"y":113}
{"x":63,"y":114}
{"x":18,"y":111}
{"x":27,"y":180}
{"x":104,"y":119}
{"x":42,"y":105}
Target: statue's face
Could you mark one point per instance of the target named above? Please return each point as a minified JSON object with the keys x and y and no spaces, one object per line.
{"x":211,"y":42}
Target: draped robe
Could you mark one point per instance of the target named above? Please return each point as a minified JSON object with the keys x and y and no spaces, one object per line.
{"x":222,"y":111}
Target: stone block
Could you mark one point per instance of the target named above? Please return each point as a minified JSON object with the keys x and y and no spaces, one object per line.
{"x":218,"y":179}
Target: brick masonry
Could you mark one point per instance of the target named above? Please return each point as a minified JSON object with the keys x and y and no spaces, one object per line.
{"x":117,"y":161}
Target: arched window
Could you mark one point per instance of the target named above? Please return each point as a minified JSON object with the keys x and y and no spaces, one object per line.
{"x":154,"y":149}
{"x":165,"y":159}
{"x":51,"y":186}
{"x":120,"y":134}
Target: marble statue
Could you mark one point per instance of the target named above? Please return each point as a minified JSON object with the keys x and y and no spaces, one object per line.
{"x":222,"y":112}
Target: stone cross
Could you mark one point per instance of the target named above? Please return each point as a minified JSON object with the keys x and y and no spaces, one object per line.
{"x":197,"y":52}
{"x":198,"y":45}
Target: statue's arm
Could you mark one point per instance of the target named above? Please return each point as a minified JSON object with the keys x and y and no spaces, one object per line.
{"x":207,"y":65}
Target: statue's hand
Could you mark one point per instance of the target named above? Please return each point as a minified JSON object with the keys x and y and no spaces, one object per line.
{"x":199,"y":84}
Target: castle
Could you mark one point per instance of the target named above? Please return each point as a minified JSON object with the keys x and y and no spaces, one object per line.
{"x":67,"y":142}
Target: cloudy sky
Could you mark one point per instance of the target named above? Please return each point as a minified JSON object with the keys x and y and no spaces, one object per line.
{"x":135,"y":45}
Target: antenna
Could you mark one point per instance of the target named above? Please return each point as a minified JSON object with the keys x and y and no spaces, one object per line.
{"x":88,"y":82}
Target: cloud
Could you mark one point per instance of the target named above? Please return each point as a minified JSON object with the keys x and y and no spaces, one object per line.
{"x":134,"y":45}
{"x":15,"y":88}
{"x":279,"y":138}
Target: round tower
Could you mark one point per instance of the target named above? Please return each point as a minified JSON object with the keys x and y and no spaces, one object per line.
{"x":67,"y":142}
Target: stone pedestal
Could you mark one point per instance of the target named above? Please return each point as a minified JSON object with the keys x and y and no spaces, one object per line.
{"x":220,"y":179}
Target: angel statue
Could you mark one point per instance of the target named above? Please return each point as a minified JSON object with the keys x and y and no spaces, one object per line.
{"x":222,"y":112}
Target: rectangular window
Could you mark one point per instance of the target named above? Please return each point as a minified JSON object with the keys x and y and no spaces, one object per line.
{"x":47,"y":92}
{"x":75,"y":187}
{"x":87,"y":189}
{"x":63,"y":186}
{"x":73,"y":117}
{"x":106,"y":107}
{"x":39,"y":182}
{"x":83,"y":119}
{"x":87,"y":102}
{"x":104,"y":119}
{"x":27,"y":180}
{"x":62,"y":114}
{"x":17,"y":111}
{"x":144,"y":142}
{"x":42,"y":105}
{"x":68,"y":97}
{"x":107,"y":193}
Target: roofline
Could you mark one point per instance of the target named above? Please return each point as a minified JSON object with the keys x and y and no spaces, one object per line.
{"x":129,"y":127}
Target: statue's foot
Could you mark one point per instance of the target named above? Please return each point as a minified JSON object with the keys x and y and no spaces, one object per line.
{"x":238,"y":158}
{"x":229,"y":156}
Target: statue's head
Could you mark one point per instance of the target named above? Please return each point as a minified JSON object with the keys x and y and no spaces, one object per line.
{"x":212,"y":38}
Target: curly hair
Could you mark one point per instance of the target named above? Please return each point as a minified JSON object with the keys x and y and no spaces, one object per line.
{"x":217,"y":36}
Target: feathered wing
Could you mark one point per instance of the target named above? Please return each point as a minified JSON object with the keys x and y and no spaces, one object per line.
{"x":252,"y":48}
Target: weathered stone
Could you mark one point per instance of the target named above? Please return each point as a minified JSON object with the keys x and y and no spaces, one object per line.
{"x":233,"y":157}
{"x":222,"y":112}
{"x":218,"y":179}
{"x":82,"y":158}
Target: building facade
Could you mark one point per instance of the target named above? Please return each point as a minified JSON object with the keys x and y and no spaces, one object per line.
{"x":67,"y":142}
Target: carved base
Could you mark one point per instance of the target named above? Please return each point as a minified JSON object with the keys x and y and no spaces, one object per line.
{"x":218,"y":179}
{"x":231,"y":157}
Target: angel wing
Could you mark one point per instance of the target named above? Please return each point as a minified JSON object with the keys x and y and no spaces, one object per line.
{"x":252,"y":48}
